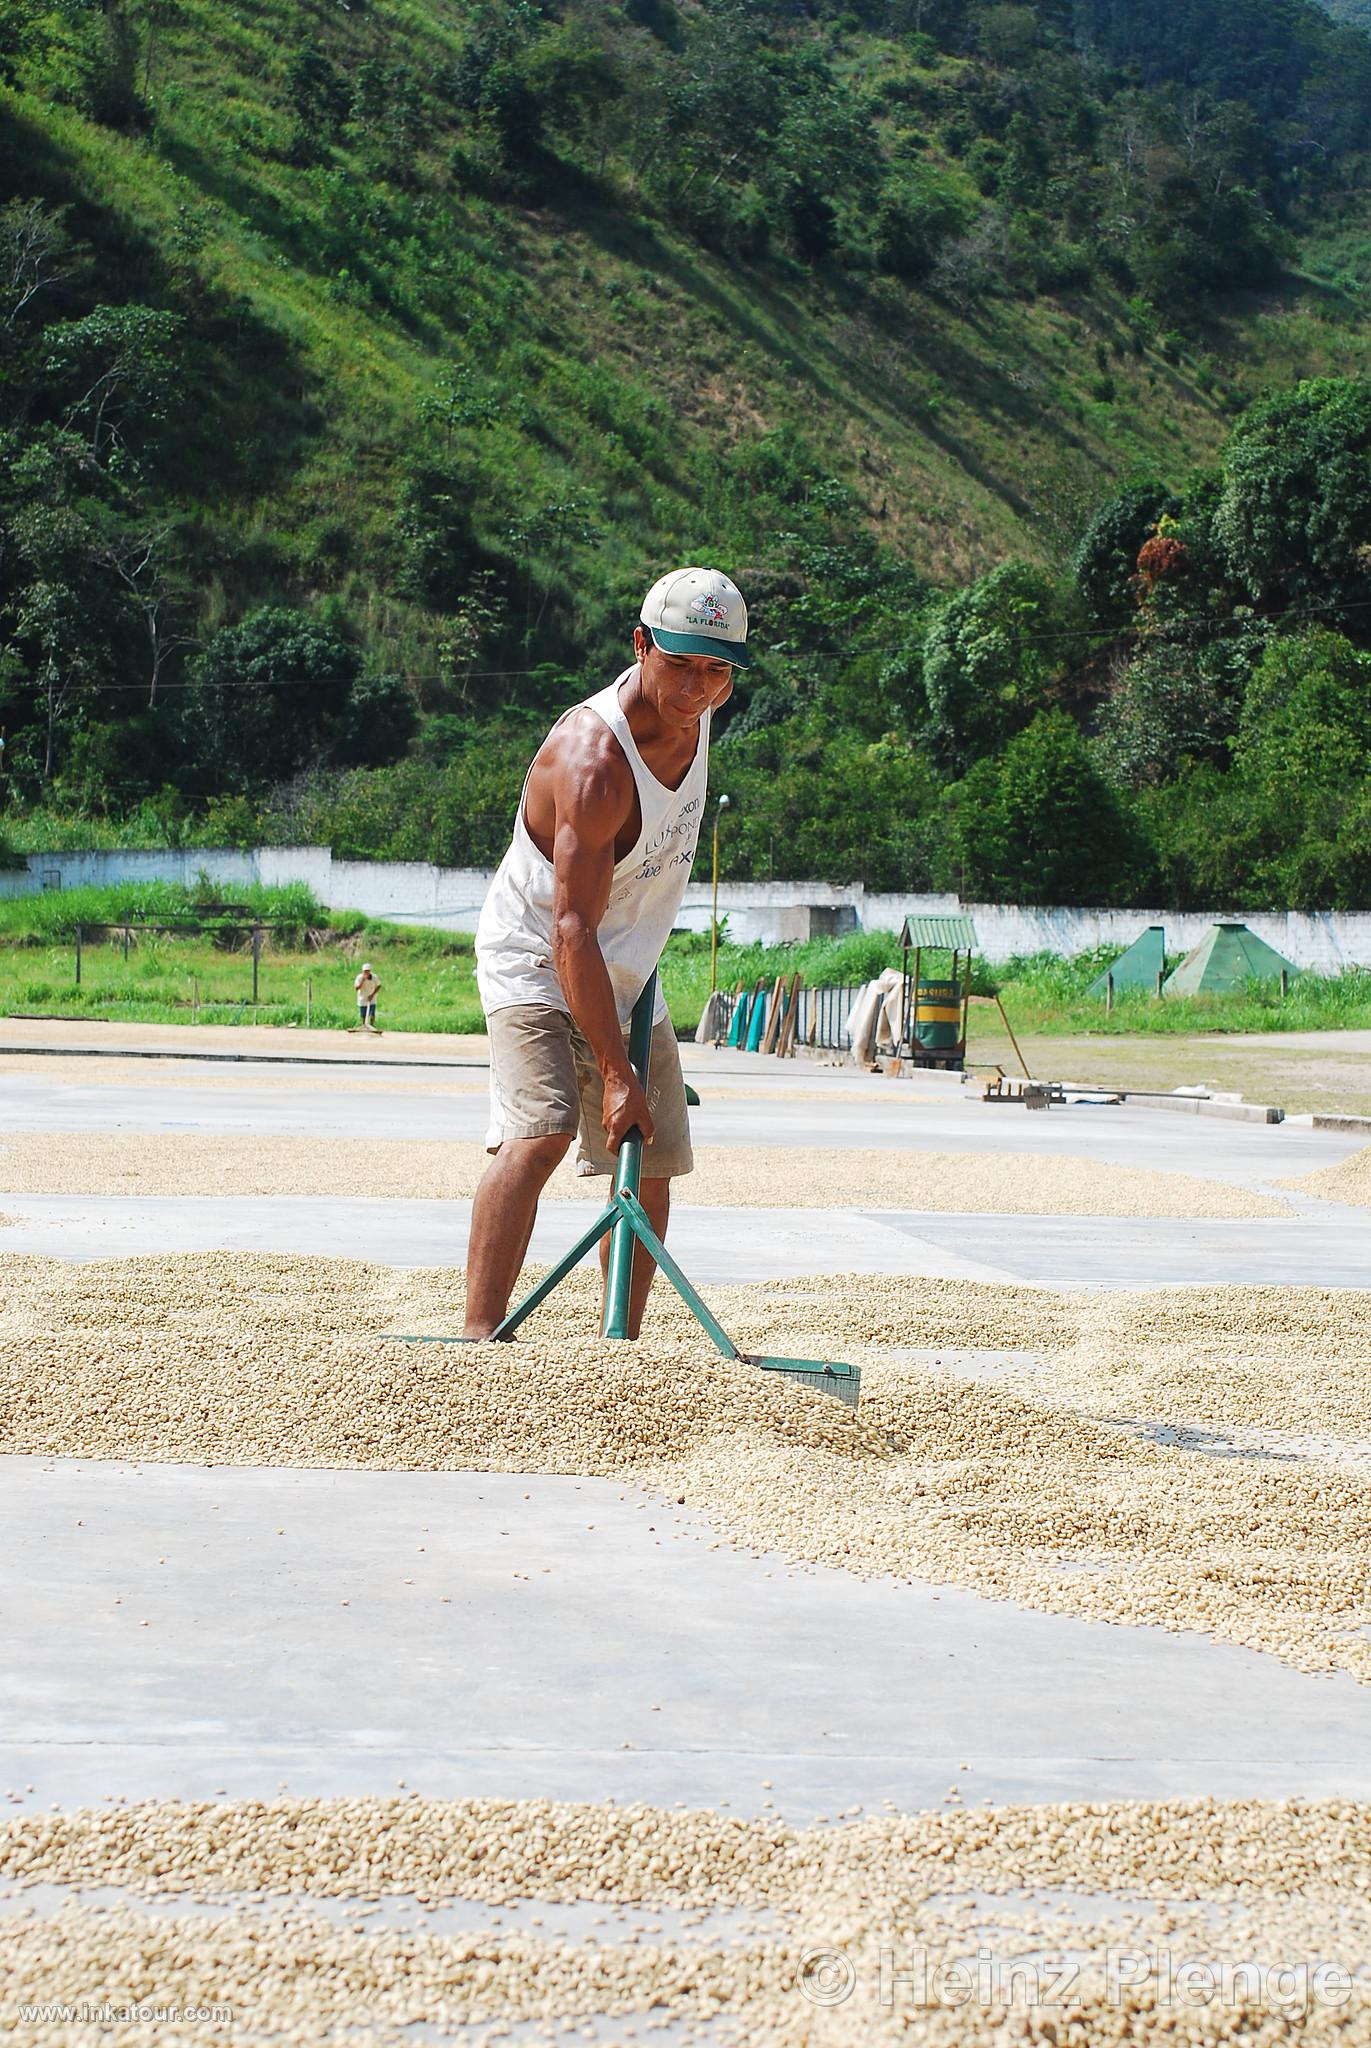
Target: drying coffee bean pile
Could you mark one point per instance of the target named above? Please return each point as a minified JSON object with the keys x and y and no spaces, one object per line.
{"x":1057,"y":1491}
{"x":58,"y":1070}
{"x":741,"y":1176}
{"x":1060,"y":1920}
{"x":1348,"y":1181}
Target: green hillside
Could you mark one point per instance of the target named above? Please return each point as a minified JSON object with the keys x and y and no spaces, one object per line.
{"x":362,"y":365}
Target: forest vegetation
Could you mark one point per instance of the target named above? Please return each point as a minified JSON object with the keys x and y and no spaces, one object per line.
{"x":360,"y":367}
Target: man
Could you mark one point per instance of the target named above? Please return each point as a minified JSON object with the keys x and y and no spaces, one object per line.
{"x":367,"y":988}
{"x":575,"y":922}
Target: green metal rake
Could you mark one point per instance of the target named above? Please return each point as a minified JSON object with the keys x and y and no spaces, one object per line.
{"x":627,"y":1219}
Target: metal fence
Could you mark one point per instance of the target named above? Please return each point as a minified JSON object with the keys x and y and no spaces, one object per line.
{"x":821,"y":1019}
{"x":253,"y":931}
{"x":823,"y":1015}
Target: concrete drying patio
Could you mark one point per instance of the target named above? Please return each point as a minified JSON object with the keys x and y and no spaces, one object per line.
{"x":166,"y":1639}
{"x":175,"y":1631}
{"x":236,"y":1633}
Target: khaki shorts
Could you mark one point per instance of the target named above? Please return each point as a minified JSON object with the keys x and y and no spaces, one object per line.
{"x":544,"y":1083}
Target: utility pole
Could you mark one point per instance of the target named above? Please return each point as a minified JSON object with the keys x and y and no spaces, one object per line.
{"x":714,"y":913}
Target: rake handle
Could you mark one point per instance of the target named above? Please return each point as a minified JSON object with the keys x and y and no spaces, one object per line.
{"x":628,"y":1170}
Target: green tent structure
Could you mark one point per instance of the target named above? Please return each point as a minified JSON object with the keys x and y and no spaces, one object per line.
{"x":1139,"y":967}
{"x":1226,"y":959}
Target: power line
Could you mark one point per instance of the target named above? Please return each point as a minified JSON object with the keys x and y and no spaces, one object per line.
{"x":308,"y":682}
{"x":1106,"y":635}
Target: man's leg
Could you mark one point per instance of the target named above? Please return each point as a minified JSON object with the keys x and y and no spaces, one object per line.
{"x":655,"y":1196}
{"x":532,"y":1092}
{"x":502,"y":1224}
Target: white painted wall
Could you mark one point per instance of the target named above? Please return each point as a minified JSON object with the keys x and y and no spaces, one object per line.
{"x":420,"y":893}
{"x":226,"y":866}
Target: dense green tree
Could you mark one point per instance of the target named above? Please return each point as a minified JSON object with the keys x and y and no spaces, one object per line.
{"x":823,"y":164}
{"x":116,"y":373}
{"x":377,"y":723}
{"x":1290,"y":823}
{"x":1174,"y":703}
{"x":267,"y":698}
{"x":1196,"y":826}
{"x":990,"y":659}
{"x":452,"y":800}
{"x":1302,"y":761}
{"x":533,"y":88}
{"x":1105,"y":564}
{"x":1039,"y":823}
{"x":708,"y":130}
{"x":56,"y":607}
{"x":110,"y":764}
{"x":919,"y":210}
{"x":1302,"y":75}
{"x":1294,"y":511}
{"x":807,"y":801}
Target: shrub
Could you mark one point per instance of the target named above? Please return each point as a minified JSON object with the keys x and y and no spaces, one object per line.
{"x":1040,"y":824}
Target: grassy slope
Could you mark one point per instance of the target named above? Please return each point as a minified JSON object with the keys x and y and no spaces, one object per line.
{"x":968,"y":437}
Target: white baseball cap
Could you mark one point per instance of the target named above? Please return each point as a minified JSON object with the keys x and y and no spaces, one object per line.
{"x":698,"y":611}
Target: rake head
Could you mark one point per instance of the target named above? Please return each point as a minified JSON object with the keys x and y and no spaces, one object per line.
{"x":844,"y":1382}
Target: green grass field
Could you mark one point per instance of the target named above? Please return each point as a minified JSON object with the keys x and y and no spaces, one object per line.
{"x":166,"y":972}
{"x":169,"y":974}
{"x":168,"y":980}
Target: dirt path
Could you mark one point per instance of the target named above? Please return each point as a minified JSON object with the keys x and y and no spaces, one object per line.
{"x":1328,"y":1071}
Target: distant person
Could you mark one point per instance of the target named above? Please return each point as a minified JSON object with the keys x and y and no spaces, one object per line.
{"x":574,"y":925}
{"x":368,"y":988}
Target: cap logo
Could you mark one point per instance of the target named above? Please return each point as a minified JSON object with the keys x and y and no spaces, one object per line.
{"x":707,"y":611}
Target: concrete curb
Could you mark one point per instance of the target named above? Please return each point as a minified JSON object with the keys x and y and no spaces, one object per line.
{"x":1191,"y":1105}
{"x":1200,"y":1105}
{"x":259,"y":1059}
{"x":1361,"y":1124}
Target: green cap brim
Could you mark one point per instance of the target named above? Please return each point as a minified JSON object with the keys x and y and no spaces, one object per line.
{"x":702,"y":643}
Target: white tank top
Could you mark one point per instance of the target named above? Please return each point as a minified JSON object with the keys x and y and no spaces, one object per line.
{"x":514,"y":936}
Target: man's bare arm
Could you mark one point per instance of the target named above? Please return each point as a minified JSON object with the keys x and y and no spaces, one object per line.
{"x":593,"y":795}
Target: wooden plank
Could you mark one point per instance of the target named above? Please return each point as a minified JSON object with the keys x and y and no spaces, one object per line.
{"x":773,"y":1022}
{"x":786,"y":1047}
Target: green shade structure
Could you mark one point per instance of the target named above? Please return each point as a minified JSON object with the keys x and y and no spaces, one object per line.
{"x":1226,"y":959}
{"x":1139,"y":967}
{"x":952,"y":932}
{"x":933,"y":1012}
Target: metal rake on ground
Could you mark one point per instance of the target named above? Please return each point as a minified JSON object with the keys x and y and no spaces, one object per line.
{"x":626,"y":1218}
